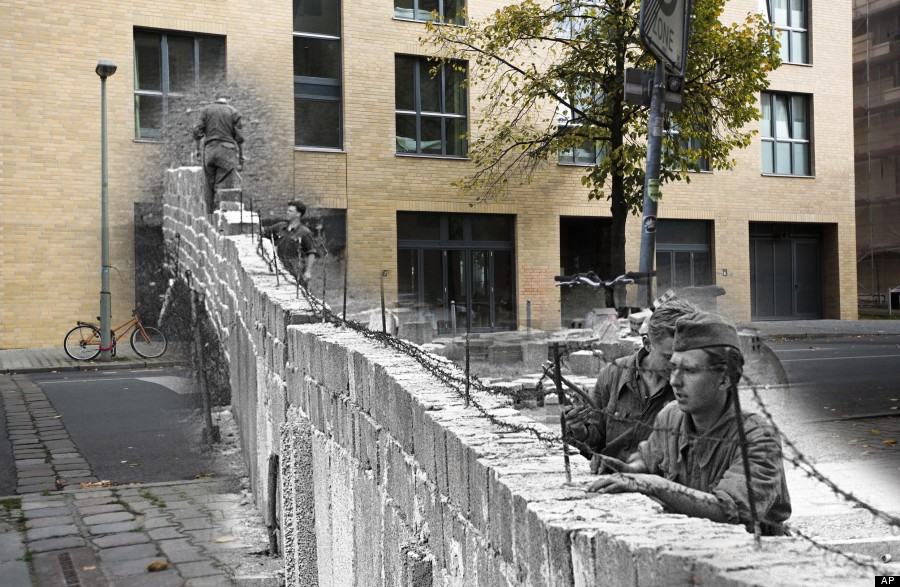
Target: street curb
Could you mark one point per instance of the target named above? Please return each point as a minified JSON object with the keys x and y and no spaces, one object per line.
{"x":95,"y":366}
{"x":821,"y":335}
{"x":860,"y":417}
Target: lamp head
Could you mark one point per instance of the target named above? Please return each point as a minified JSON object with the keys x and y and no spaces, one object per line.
{"x":105,"y":68}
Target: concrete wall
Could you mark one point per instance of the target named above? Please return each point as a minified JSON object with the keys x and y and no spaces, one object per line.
{"x":387,"y":478}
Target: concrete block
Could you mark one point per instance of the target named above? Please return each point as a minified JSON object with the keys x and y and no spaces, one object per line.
{"x":500,"y":353}
{"x":342,"y":512}
{"x":399,"y":479}
{"x":458,"y":473}
{"x":441,"y":457}
{"x":584,"y":363}
{"x":423,"y":441}
{"x":401,"y":417}
{"x":479,"y":497}
{"x":335,"y":367}
{"x":534,"y":353}
{"x":367,"y":530}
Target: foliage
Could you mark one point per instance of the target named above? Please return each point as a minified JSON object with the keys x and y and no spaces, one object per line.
{"x":529,"y":62}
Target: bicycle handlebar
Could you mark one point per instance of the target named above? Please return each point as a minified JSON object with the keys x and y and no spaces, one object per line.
{"x":591,"y":278}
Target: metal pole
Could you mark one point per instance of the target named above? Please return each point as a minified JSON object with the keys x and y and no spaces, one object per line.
{"x":651,"y":180}
{"x":344,"y":315}
{"x":742,"y":436}
{"x":383,"y":318}
{"x":453,"y":317}
{"x":528,"y":318}
{"x":468,"y":380}
{"x":557,"y":378}
{"x":105,"y":302}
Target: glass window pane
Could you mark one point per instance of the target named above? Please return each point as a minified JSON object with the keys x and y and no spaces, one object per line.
{"x":781,"y":117}
{"x":407,"y":277}
{"x":766,"y":115}
{"x":317,"y":16}
{"x":148,"y":61}
{"x":783,"y":158}
{"x":585,"y":153}
{"x":317,"y":123}
{"x":418,"y":226}
{"x":801,"y":158}
{"x":768,"y":157}
{"x":317,"y":58}
{"x":456,"y":136}
{"x":404,"y":9}
{"x":663,"y":271}
{"x":148,"y":117}
{"x":405,"y":83}
{"x":432,"y":142}
{"x":429,"y":87}
{"x":799,"y":124}
{"x":784,"y":44}
{"x":780,"y":12}
{"x":702,"y":269}
{"x":455,"y":101}
{"x":682,"y":269}
{"x":456,"y":227}
{"x":682,"y":232}
{"x":492,"y":228}
{"x":567,"y":156}
{"x":504,"y":292}
{"x":453,"y":11}
{"x":406,"y":133}
{"x":212,"y":60}
{"x":798,"y":14}
{"x":799,"y":49}
{"x":426,"y":7}
{"x":181,"y":63}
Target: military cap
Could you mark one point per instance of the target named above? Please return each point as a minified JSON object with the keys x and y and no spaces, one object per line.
{"x":703,"y":330}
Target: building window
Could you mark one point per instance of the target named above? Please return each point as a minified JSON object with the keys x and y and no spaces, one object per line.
{"x":570,"y":118}
{"x":448,"y":11}
{"x":785,"y":134}
{"x":431,"y":107}
{"x":683,"y":254}
{"x":790,"y":18}
{"x":685,"y":145}
{"x":166,"y":65}
{"x":318,"y":71}
{"x":588,"y":152}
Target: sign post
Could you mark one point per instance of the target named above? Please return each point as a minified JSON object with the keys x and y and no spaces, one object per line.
{"x":664,"y":32}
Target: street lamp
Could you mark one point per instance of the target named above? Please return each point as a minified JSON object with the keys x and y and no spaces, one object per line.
{"x":104,"y":70}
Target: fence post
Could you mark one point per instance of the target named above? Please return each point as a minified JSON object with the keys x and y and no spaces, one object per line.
{"x":528,"y":318}
{"x":383,"y":317}
{"x":557,"y":378}
{"x":453,"y":317}
{"x":467,"y":365}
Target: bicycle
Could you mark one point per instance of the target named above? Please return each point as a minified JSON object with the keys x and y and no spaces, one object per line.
{"x":82,"y":343}
{"x":591,"y":279}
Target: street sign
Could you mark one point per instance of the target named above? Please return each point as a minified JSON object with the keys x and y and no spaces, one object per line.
{"x":664,"y":30}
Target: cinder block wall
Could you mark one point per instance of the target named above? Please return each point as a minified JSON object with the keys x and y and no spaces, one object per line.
{"x":388,"y":478}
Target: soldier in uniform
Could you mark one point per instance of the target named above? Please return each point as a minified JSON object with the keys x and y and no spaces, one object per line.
{"x":296,"y":244}
{"x":219,"y":128}
{"x":692,"y":460}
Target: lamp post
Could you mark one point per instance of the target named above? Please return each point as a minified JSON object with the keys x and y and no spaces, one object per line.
{"x":104,"y":70}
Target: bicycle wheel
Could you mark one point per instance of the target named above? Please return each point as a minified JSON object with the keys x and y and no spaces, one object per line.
{"x":82,"y":343}
{"x":151,"y":346}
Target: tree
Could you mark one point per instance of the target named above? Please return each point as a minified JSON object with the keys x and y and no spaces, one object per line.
{"x":550,"y":78}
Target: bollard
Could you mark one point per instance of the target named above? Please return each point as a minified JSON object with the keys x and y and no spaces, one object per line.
{"x":528,"y":318}
{"x":453,"y":317}
{"x":383,"y":318}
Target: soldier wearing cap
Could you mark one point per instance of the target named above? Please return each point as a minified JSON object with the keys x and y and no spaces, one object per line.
{"x":692,"y":460}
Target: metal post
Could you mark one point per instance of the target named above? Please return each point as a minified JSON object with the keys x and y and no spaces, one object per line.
{"x":557,"y":378}
{"x":346,"y":259}
{"x":528,"y":318}
{"x":383,"y":317}
{"x":468,"y":391}
{"x":105,"y":302}
{"x":651,"y":180}
{"x":453,"y":317}
{"x":742,"y":436}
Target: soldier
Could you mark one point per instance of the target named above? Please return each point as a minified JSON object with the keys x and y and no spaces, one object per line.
{"x":220,"y":129}
{"x":296,"y":244}
{"x":629,"y":392}
{"x":692,"y":461}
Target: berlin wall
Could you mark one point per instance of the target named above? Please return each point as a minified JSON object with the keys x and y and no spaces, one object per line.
{"x":385,"y":477}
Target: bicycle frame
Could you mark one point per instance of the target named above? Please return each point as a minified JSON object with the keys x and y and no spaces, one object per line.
{"x":125,"y":327}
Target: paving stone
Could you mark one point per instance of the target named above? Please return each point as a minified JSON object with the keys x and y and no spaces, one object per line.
{"x":179,"y":505}
{"x":77,"y":474}
{"x":11,"y":546}
{"x":35,"y":473}
{"x":128,"y":567}
{"x":157,"y":522}
{"x":108,"y":518}
{"x":46,"y":512}
{"x":122,"y":539}
{"x":167,"y":533}
{"x":56,"y":543}
{"x":15,"y":573}
{"x":197,"y":569}
{"x":94,"y":501}
{"x":50,"y":532}
{"x":29,"y":453}
{"x":32,"y":503}
{"x":82,"y":464}
{"x":186,"y":555}
{"x":91,"y":510}
{"x":26,"y":481}
{"x":195,"y":523}
{"x":122,"y":553}
{"x":167,"y":578}
{"x":34,"y":467}
{"x":51,"y":521}
{"x":65,"y":455}
{"x":55,"y":436}
{"x":115,"y":528}
{"x":211,"y":581}
{"x":40,"y":488}
{"x":26,"y":462}
{"x":170,"y":547}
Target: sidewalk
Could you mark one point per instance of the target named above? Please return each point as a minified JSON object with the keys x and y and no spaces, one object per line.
{"x":55,"y":359}
{"x":823,"y":328}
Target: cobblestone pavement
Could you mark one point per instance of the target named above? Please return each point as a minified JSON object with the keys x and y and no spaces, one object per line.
{"x":56,"y":532}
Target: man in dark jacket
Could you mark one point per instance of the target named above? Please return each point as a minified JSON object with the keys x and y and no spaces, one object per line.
{"x":629,"y":392}
{"x":296,"y":245}
{"x":219,"y":128}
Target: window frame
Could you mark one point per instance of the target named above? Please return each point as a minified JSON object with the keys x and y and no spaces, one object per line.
{"x":419,"y":113}
{"x":700,"y":163}
{"x":164,"y":93}
{"x":420,"y":15}
{"x":300,"y":81}
{"x":773,"y":138}
{"x":785,"y":32}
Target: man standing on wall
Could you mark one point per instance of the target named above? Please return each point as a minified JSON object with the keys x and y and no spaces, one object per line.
{"x":296,"y":244}
{"x":222,"y":155}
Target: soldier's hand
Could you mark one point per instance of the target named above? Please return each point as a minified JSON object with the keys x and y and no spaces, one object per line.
{"x":604,"y":465}
{"x":575,"y":422}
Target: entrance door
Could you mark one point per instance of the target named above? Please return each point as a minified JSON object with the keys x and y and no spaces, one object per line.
{"x":785,"y":272}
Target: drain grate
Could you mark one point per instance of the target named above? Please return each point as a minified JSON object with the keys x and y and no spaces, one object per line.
{"x":68,"y":570}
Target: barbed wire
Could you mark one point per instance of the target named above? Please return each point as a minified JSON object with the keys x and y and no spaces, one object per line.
{"x":451,"y":375}
{"x":834,"y":550}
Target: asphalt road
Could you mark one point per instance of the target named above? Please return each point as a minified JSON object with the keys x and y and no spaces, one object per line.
{"x":7,"y":463}
{"x":136,"y":426}
{"x":849,"y":377}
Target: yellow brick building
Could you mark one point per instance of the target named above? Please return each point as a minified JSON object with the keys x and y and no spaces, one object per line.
{"x":800,"y":222}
